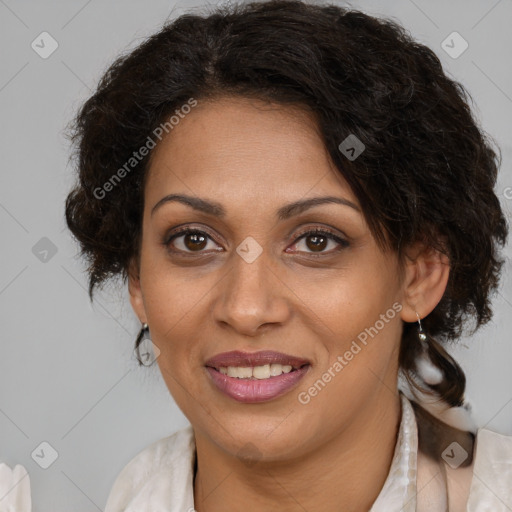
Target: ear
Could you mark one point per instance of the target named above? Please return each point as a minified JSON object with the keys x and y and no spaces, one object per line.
{"x":135,"y":291}
{"x":426,"y":276}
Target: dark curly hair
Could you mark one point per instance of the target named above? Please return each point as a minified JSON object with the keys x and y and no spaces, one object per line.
{"x":427,"y":172}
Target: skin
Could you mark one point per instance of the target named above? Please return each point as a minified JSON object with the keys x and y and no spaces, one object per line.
{"x":335,"y":451}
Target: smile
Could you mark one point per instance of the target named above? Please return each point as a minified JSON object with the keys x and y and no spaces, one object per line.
{"x":255,"y":377}
{"x":258,"y":372}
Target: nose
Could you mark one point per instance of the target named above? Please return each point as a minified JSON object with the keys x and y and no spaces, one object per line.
{"x":252,"y":297}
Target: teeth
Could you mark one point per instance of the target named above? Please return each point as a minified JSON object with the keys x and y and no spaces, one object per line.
{"x":277,"y":369}
{"x":261,"y":372}
{"x":241,"y":373}
{"x":258,"y":372}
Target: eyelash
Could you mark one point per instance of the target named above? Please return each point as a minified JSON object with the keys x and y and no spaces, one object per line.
{"x":315,"y":231}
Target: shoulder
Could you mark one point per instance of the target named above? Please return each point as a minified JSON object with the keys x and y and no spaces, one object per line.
{"x":492,"y":474}
{"x":476,"y":464}
{"x":162,"y":470}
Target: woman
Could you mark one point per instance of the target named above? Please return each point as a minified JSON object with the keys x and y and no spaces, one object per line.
{"x":301,"y":203}
{"x":302,"y":206}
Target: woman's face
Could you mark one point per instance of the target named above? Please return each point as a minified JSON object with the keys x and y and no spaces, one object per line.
{"x":250,"y":282}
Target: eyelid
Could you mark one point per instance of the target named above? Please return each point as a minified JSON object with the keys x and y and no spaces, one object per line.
{"x":341,"y":240}
{"x":323,"y":230}
{"x":185,"y":228}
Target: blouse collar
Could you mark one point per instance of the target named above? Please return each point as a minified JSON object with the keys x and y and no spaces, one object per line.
{"x":162,"y":477}
{"x":399,"y":490}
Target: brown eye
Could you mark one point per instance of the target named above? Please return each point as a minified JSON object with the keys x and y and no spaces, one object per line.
{"x":194,"y":241}
{"x":188,"y":241}
{"x":316,"y":241}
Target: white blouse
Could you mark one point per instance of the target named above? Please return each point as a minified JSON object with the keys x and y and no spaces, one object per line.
{"x":160,"y":477}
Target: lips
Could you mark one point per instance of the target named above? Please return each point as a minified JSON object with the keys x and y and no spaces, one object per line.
{"x":246,"y":359}
{"x":264,"y":387}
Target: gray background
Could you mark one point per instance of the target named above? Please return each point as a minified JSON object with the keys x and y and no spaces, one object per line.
{"x":67,"y":372}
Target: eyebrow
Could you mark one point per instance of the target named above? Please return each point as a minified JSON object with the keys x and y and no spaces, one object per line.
{"x":283,"y":213}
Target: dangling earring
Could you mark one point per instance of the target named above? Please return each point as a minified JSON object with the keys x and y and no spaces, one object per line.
{"x":427,"y":371}
{"x":141,"y":334}
{"x":144,"y":339}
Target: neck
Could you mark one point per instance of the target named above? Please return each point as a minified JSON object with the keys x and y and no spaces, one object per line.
{"x":347,"y":472}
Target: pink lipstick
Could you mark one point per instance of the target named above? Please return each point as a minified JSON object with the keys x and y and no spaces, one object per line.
{"x":252,"y":377}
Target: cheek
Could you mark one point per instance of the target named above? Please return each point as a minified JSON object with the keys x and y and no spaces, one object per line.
{"x":357,"y":369}
{"x":357,"y":319}
{"x":172,"y":309}
{"x":172,"y":295}
{"x":340,"y":306}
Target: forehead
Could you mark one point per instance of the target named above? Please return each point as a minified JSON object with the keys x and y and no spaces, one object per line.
{"x":236,"y":147}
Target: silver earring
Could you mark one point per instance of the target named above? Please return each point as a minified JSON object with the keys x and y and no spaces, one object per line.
{"x":143,"y":342}
{"x":427,"y":371}
{"x":421,"y":334}
{"x":143,"y":333}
